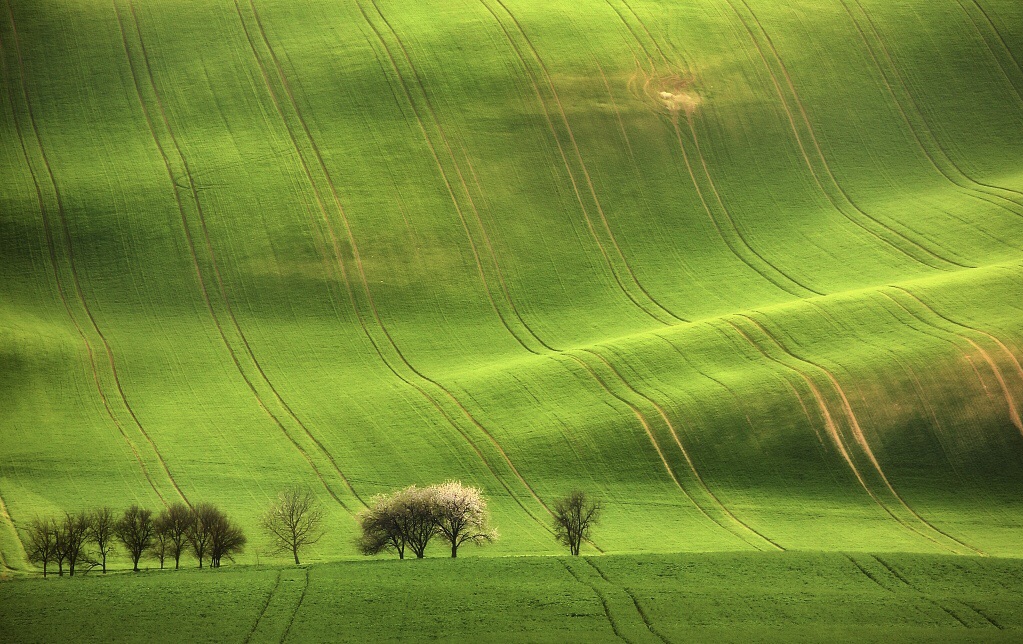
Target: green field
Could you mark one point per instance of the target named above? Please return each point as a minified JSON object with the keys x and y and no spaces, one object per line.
{"x":723,"y":597}
{"x":749,"y":271}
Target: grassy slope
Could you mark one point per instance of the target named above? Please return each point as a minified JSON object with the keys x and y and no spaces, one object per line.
{"x":728,"y":597}
{"x":359,"y":245}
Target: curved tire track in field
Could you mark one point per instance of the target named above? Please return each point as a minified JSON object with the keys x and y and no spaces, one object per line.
{"x":860,"y":440}
{"x":833,"y":428}
{"x":1014,"y":413}
{"x":1005,"y":48}
{"x":298,"y":606}
{"x":918,"y":389}
{"x":732,"y":226}
{"x":928,"y":259}
{"x":894,"y":572}
{"x":589,"y":370}
{"x":448,"y":184}
{"x":262,"y":610}
{"x":79,"y":293}
{"x":186,"y":227}
{"x":639,"y":609}
{"x":9,"y":521}
{"x":647,"y":428}
{"x":743,"y":249}
{"x":600,"y":596}
{"x":54,"y":263}
{"x":1015,"y":61}
{"x":659,"y":311}
{"x":986,"y":357}
{"x":702,"y":484}
{"x":878,"y":229}
{"x":982,"y":191}
{"x":380,"y":344}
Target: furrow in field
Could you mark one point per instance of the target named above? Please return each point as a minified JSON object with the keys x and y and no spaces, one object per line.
{"x":987,"y":18}
{"x":942,"y":605}
{"x":603,"y":236}
{"x":841,"y":202}
{"x":997,"y":53}
{"x":917,"y":123}
{"x":833,"y":429}
{"x":8,"y":521}
{"x":705,"y":506}
{"x":298,"y":606}
{"x":643,"y":25}
{"x":734,"y":227}
{"x":262,"y":609}
{"x":966,"y":356}
{"x":940,"y":537}
{"x":220,"y":281}
{"x":823,"y":176}
{"x":381,"y":339}
{"x":496,"y":267}
{"x":174,"y":160}
{"x":635,"y":602}
{"x":1010,"y":400}
{"x":67,"y":251}
{"x":921,"y":398}
{"x":603,"y":599}
{"x":498,"y":304}
{"x":710,"y":499}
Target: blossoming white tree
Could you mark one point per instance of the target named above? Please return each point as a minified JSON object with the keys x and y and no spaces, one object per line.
{"x":461,"y":515}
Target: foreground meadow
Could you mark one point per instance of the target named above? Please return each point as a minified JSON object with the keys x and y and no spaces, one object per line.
{"x":726,"y":597}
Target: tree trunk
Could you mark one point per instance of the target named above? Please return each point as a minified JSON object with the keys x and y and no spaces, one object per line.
{"x":177,"y":560}
{"x":401,"y":554}
{"x":295,"y":552}
{"x":104,"y":563}
{"x":44,"y":570}
{"x":454,"y":549}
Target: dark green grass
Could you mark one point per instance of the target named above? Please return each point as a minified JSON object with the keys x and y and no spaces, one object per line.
{"x":728,"y":597}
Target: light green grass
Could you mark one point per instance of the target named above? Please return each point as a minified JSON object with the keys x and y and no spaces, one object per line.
{"x":359,"y":245}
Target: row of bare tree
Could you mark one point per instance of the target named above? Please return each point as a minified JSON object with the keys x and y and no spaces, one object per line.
{"x":407,"y":519}
{"x":88,"y":538}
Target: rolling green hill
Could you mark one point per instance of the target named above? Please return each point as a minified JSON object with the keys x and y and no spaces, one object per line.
{"x":750,"y":271}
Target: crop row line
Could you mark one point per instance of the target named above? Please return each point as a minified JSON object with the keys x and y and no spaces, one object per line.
{"x":66,"y":246}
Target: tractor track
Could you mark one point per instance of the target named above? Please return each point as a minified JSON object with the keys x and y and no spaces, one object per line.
{"x":76,"y":282}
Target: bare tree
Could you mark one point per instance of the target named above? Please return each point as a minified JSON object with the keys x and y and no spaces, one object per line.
{"x":102,"y":534}
{"x":59,"y":551}
{"x":404,"y":519}
{"x":226,"y":539}
{"x":461,"y":516}
{"x":574,"y":515}
{"x":41,"y":542}
{"x":135,"y":531}
{"x":173,"y":523}
{"x":160,"y":547}
{"x":200,"y":528}
{"x":76,"y":529}
{"x":293,"y":521}
{"x":415,"y":514}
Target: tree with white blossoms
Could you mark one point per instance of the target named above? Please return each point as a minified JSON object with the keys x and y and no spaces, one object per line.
{"x":461,"y":515}
{"x":403,"y":519}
